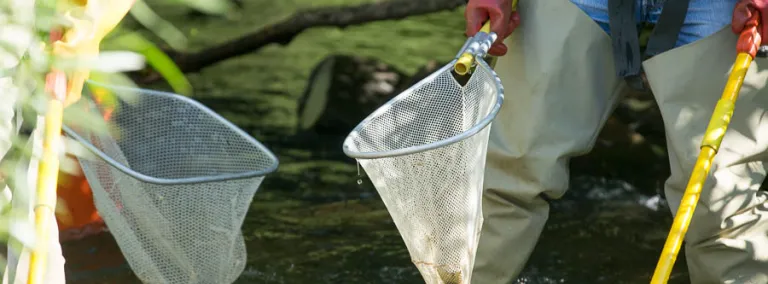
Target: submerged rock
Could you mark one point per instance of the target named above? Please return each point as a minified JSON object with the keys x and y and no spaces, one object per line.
{"x":342,"y":91}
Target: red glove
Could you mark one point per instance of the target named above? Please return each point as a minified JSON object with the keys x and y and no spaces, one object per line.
{"x":744,"y":14}
{"x":503,"y":21}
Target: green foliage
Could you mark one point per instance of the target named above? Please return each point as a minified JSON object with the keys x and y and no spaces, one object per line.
{"x":159,"y":61}
{"x":24,"y":62}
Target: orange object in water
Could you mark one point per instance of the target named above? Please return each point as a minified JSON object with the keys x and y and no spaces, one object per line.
{"x":80,"y":218}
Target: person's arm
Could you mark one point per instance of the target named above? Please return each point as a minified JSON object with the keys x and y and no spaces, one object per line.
{"x":503,"y":20}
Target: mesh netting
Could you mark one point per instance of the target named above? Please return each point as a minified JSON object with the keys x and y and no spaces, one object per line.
{"x":433,"y":196}
{"x":171,"y":230}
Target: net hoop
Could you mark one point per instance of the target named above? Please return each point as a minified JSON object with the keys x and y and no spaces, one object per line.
{"x":350,"y":149}
{"x":178,"y":181}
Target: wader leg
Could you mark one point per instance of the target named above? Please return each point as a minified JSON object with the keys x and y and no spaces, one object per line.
{"x":727,"y":241}
{"x":560,"y":86}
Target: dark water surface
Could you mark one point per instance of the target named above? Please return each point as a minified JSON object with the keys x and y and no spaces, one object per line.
{"x":602,"y":232}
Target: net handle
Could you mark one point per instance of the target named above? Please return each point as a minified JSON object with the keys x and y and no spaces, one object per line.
{"x":467,"y":58}
{"x":477,"y":46}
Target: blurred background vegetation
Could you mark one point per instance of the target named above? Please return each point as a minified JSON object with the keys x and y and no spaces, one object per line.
{"x":300,"y":74}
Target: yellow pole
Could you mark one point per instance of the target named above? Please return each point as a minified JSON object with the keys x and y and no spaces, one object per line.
{"x":710,"y":144}
{"x":47,"y":176}
{"x":466,"y":60}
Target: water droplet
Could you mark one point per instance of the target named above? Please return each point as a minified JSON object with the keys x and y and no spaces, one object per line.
{"x":359,"y":179}
{"x":358,"y":168}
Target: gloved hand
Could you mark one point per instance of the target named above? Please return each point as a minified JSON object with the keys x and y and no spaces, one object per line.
{"x":742,"y":14}
{"x":503,"y":21}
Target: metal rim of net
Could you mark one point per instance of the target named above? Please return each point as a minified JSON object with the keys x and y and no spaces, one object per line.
{"x":165,"y":181}
{"x":348,"y":142}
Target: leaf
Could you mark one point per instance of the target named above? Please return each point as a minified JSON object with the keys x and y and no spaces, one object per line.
{"x":106,"y":61}
{"x":216,"y":7}
{"x":156,"y":58}
{"x":162,"y":28}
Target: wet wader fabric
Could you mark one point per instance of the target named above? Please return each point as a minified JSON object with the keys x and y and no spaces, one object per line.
{"x":562,"y":84}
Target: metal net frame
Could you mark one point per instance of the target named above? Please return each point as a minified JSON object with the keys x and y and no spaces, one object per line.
{"x":173,"y":181}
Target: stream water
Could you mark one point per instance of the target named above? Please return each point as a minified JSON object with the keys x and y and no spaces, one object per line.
{"x":603,"y":231}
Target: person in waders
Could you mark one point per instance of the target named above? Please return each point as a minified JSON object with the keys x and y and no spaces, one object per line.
{"x":565,"y":65}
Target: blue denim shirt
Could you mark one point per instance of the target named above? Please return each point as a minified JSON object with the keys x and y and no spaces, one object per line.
{"x":705,"y":17}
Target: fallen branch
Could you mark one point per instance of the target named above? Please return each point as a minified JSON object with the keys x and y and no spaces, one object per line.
{"x":283,"y":32}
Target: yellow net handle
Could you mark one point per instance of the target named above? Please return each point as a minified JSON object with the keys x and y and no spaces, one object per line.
{"x":466,"y":60}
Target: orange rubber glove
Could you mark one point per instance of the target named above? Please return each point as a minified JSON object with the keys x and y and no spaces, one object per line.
{"x":503,"y":18}
{"x":84,"y":37}
{"x":750,"y":14}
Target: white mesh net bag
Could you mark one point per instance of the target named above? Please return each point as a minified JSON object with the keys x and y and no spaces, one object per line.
{"x":425,"y":152}
{"x":173,"y":181}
